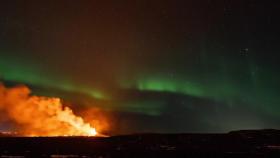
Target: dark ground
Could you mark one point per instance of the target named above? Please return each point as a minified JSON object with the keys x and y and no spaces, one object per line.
{"x":264,"y":143}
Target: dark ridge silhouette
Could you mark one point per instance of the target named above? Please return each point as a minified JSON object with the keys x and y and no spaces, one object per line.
{"x":246,"y":143}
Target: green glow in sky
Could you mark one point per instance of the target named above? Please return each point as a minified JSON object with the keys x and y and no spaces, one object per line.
{"x":260,"y":96}
{"x":19,"y":71}
{"x":219,"y":91}
{"x":171,"y":86}
{"x":258,"y":90}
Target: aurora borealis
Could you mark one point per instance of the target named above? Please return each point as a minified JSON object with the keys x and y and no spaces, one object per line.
{"x":194,"y":66}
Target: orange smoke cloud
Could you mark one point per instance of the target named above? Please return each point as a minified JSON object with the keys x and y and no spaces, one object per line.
{"x":41,"y":116}
{"x":98,"y":118}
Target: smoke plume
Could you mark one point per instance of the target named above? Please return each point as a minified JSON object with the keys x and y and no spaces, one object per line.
{"x":40,"y":116}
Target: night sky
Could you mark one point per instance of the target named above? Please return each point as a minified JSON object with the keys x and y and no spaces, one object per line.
{"x":172,"y":66}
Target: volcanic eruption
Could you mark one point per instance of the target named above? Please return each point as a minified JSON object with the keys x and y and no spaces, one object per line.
{"x":40,"y":116}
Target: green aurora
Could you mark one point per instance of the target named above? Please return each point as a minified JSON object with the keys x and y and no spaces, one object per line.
{"x":252,"y":91}
{"x":257,"y":89}
{"x":12,"y":69}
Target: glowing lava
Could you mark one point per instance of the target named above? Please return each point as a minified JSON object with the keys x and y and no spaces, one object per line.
{"x":41,"y":116}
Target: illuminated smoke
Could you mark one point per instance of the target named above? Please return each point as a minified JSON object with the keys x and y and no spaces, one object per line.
{"x":41,"y":116}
